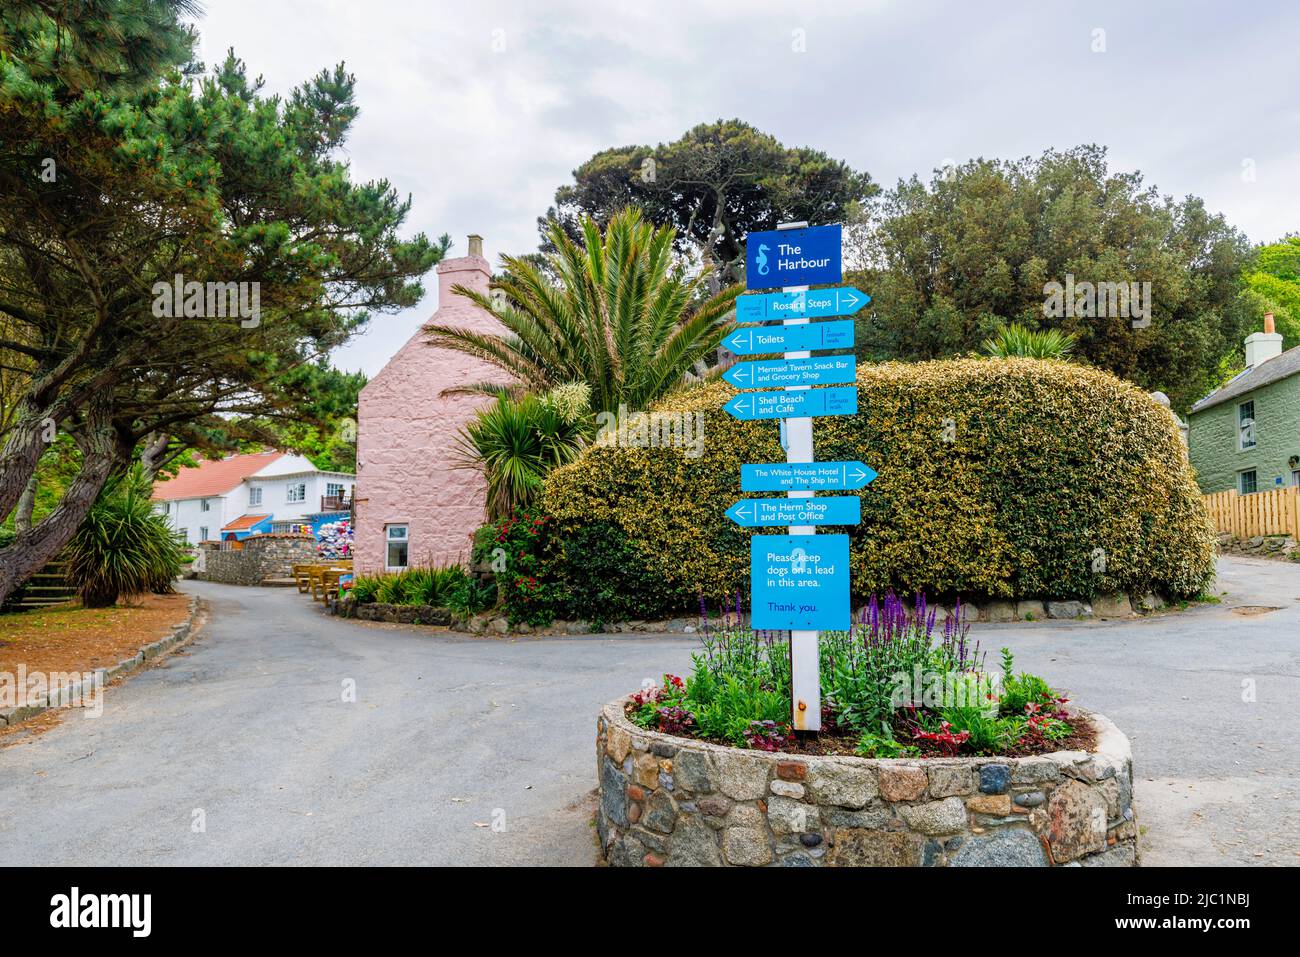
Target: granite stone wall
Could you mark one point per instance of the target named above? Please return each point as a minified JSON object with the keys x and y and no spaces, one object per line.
{"x":262,"y":557}
{"x":672,"y":801}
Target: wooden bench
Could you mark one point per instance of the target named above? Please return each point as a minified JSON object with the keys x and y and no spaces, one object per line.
{"x":302,"y":576}
{"x":330,"y":581}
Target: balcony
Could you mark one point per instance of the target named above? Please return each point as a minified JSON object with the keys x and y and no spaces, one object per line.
{"x":335,"y":503}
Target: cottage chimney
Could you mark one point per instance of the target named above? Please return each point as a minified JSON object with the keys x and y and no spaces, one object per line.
{"x":476,"y":246}
{"x":1262,"y":346}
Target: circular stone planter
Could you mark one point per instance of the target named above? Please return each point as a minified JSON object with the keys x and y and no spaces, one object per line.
{"x":665,"y":800}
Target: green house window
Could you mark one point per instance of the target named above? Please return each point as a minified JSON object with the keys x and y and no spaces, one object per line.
{"x":1247,"y":482}
{"x":1246,"y":426}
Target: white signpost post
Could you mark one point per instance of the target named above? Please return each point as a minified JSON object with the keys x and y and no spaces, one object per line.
{"x":797,"y":440}
{"x":798,"y":581}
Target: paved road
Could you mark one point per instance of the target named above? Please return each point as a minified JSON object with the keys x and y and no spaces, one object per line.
{"x":250,"y":726}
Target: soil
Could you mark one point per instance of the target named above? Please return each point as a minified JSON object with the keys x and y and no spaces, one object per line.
{"x":1082,"y":738}
{"x":72,"y":638}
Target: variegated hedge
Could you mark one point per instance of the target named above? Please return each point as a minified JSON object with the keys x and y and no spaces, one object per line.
{"x":998,"y":478}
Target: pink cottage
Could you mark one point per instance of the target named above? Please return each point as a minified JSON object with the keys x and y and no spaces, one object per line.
{"x":413,"y":505}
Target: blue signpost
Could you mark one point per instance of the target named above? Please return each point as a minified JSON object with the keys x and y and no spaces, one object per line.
{"x":769,"y":373}
{"x":827,"y":510}
{"x":805,"y":476}
{"x":793,"y":257}
{"x":800,"y":582}
{"x":812,"y":304}
{"x":758,"y":340}
{"x":788,"y":405}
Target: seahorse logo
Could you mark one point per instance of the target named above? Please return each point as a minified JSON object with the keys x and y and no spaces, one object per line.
{"x":761,"y":260}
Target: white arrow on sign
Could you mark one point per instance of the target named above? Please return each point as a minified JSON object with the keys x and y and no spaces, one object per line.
{"x":742,"y":406}
{"x":858,"y":474}
{"x":847,"y":297}
{"x":738,"y":338}
{"x":741,"y":374}
{"x":743,"y":512}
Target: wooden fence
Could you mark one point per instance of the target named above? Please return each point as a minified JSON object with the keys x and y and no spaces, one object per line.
{"x":1274,"y":512}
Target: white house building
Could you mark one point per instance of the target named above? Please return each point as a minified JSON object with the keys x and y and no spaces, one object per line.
{"x":243,"y":495}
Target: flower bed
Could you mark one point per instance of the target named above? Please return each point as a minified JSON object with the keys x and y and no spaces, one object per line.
{"x":925,"y":757}
{"x":684,"y":802}
{"x":897,"y":684}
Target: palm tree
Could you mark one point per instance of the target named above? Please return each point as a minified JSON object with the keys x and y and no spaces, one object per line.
{"x":515,"y":442}
{"x":123,"y":547}
{"x":1017,"y":340}
{"x":622,"y":317}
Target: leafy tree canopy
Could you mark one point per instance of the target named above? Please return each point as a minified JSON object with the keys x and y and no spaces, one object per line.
{"x":106,"y":197}
{"x":1274,"y":278}
{"x":713,"y":186}
{"x":70,"y":47}
{"x":954,"y":260}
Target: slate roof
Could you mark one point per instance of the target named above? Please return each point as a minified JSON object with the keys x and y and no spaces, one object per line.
{"x":1266,"y":373}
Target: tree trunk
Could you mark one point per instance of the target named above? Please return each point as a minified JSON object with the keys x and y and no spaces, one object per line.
{"x":22,"y":453}
{"x":152,"y":454}
{"x":26,"y":504}
{"x":29,"y":552}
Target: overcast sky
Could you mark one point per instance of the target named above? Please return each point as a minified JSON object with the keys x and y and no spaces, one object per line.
{"x":480,"y":110}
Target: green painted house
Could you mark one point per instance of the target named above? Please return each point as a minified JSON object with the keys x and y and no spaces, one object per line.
{"x":1246,"y":435}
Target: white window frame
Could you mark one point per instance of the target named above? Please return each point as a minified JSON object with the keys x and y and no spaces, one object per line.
{"x":397,"y":534}
{"x":1295,"y":477}
{"x":254,"y":495}
{"x":300,"y":488}
{"x":1241,"y":481}
{"x":205,"y":505}
{"x":203,"y":533}
{"x":334,"y":489}
{"x":1243,"y":428}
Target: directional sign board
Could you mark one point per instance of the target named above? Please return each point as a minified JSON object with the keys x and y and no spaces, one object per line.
{"x":838,"y":400}
{"x":793,"y":257}
{"x":805,"y":476}
{"x":757,"y":340}
{"x":800,"y":582}
{"x":770,"y":373}
{"x":813,"y":304}
{"x":827,"y":510}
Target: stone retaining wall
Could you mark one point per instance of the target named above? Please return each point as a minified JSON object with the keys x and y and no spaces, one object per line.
{"x":1261,"y":546}
{"x":397,"y":614}
{"x":672,"y":801}
{"x":262,"y":557}
{"x":1118,"y":605}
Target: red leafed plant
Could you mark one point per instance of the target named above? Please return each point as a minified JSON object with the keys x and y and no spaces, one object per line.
{"x":767,"y":735}
{"x":947,"y":743}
